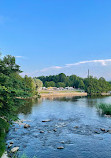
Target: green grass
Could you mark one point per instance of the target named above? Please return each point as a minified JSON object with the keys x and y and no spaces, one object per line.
{"x":104,"y":108}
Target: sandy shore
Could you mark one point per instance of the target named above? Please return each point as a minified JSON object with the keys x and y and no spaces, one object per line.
{"x":63,"y":94}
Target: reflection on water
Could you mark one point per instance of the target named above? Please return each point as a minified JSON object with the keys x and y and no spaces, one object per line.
{"x":74,"y":124}
{"x":27,"y":106}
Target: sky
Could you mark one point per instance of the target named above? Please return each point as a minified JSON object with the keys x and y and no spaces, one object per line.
{"x":48,"y":37}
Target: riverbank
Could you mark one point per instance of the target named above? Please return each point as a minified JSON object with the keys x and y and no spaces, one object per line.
{"x":25,"y":98}
{"x":61,"y":93}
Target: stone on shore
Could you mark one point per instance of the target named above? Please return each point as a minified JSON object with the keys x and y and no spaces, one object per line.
{"x":15,"y":149}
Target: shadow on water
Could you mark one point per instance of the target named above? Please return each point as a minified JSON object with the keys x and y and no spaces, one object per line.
{"x":26,"y":107}
{"x":92,"y":101}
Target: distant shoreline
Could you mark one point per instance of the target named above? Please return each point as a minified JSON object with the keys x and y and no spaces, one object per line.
{"x":62,"y":94}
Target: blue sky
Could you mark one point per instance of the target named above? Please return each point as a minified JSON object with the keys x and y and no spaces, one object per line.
{"x":46,"y":35}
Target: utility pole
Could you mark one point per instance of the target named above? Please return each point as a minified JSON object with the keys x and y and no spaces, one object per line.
{"x":88,"y":73}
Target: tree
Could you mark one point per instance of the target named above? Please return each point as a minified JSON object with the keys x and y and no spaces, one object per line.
{"x":12,"y":87}
{"x":49,"y":84}
{"x":91,"y":85}
{"x":81,"y":84}
{"x":38,"y":83}
{"x":61,"y":84}
{"x":62,"y":77}
{"x":8,"y":65}
{"x":29,"y":84}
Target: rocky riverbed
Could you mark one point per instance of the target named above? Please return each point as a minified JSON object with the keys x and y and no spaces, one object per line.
{"x":61,"y":129}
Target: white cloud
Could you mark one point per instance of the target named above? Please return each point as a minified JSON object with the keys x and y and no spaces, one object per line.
{"x":97,"y":68}
{"x":102,"y":62}
{"x":50,"y":68}
{"x":19,"y":57}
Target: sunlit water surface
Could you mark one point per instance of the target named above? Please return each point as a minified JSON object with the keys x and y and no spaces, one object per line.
{"x":75,"y":124}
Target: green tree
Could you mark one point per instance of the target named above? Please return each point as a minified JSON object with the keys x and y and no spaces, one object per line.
{"x":61,"y":84}
{"x":38,"y":83}
{"x":49,"y":84}
{"x":81,"y":84}
{"x":62,"y":77}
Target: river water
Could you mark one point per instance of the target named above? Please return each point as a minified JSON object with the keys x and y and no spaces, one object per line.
{"x":74,"y":124}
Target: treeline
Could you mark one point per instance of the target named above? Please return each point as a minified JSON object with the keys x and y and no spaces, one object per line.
{"x":91,"y":85}
{"x":61,"y":80}
{"x":12,"y":87}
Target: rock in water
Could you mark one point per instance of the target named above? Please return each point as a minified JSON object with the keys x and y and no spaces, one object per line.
{"x":9,"y":145}
{"x":60,"y":147}
{"x":109,"y":131}
{"x":102,"y":129}
{"x":62,"y":142}
{"x":13,"y":150}
{"x":96,"y":132}
{"x":76,"y":127}
{"x":55,"y":130}
{"x":26,"y":126}
{"x":46,"y":120}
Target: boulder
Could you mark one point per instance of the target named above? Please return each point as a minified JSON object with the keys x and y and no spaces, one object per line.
{"x":15,"y":149}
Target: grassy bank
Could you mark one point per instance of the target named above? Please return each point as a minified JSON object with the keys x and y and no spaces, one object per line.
{"x":104,"y":108}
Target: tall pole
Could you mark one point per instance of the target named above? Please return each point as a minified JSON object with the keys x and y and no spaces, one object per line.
{"x":88,"y":73}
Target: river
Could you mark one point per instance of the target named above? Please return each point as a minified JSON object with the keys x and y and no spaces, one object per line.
{"x":74,"y":125}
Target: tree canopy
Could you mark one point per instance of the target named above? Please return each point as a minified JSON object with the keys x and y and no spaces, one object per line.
{"x":91,"y":85}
